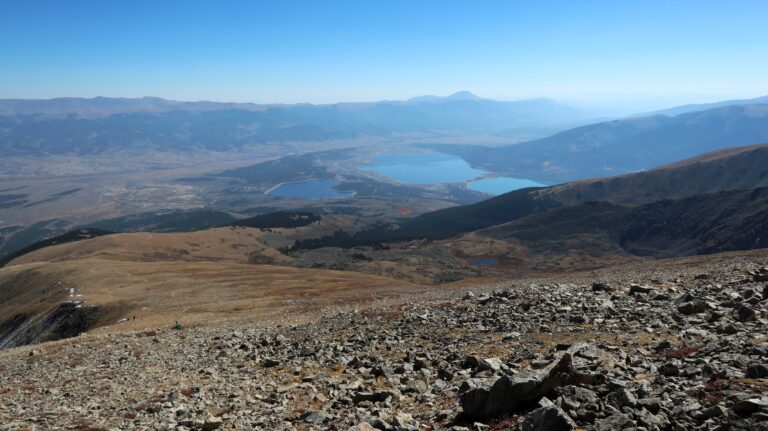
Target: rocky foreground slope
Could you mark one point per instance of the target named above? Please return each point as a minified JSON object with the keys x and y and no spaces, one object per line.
{"x":668,"y":348}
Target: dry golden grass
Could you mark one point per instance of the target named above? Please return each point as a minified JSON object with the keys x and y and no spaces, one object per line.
{"x":228,"y":244}
{"x":761,"y":384}
{"x":159,"y":293}
{"x":155,"y":279}
{"x":199,"y":277}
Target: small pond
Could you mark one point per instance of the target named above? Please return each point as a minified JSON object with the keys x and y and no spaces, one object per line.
{"x":485,"y":261}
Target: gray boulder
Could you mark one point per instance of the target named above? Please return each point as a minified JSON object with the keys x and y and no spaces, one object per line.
{"x":507,"y":394}
{"x":692,"y":306}
{"x":757,"y":371}
{"x":549,"y":417}
{"x":616,"y":421}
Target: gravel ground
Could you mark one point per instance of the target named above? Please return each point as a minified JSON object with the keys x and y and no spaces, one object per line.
{"x":671,"y":347}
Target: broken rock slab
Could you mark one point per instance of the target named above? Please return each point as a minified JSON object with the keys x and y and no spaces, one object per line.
{"x":548,"y":417}
{"x":508,"y":395}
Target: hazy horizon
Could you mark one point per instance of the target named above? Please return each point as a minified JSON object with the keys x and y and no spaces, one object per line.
{"x":598,"y":54}
{"x":600,"y":106}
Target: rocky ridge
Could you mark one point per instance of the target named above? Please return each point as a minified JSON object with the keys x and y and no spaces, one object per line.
{"x":655,"y":350}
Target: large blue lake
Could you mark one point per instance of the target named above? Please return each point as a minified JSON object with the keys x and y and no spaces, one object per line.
{"x":436,"y":168}
{"x":311,"y":189}
{"x":423,"y":168}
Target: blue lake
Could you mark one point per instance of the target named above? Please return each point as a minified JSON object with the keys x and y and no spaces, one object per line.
{"x":311,"y":189}
{"x":423,"y":168}
{"x":485,"y":261}
{"x":436,"y":168}
{"x":500,"y":185}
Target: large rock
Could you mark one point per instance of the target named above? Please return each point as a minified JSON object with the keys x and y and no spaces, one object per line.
{"x":748,"y":406}
{"x":212,"y":423}
{"x":490,"y":364}
{"x":601,"y":287}
{"x":549,"y":417}
{"x":669,"y":369}
{"x":745,"y":314}
{"x":636,"y":288}
{"x":573,"y":398}
{"x":691,"y":306}
{"x":757,"y":371}
{"x":651,"y":421}
{"x":508,"y":394}
{"x":621,"y":398}
{"x":617,"y":421}
{"x":374,"y":397}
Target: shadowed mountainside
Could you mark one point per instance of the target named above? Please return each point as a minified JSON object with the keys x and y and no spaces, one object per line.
{"x":621,"y":146}
{"x":728,"y":169}
{"x":702,"y":224}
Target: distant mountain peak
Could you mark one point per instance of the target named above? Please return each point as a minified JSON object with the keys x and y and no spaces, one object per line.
{"x":457,"y":96}
{"x":463,"y":95}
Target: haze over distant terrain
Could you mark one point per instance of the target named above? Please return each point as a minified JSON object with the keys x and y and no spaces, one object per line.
{"x":75,"y":161}
{"x":627,"y":145}
{"x":93,"y":126}
{"x":633,"y":57}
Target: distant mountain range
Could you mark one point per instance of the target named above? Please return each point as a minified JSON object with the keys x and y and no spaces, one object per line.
{"x":684,"y":109}
{"x":90,"y":126}
{"x":621,"y":146}
{"x":81,"y":108}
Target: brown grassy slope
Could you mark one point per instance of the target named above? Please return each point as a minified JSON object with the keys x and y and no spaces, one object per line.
{"x":191,"y":277}
{"x":159,"y":293}
{"x":225,"y":244}
{"x":234,"y":245}
{"x":248,"y":245}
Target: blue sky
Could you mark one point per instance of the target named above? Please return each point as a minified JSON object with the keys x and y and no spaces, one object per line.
{"x":631,"y":53}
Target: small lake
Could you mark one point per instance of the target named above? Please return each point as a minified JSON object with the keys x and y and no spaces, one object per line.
{"x":423,"y":168}
{"x":501,"y":185}
{"x":485,"y":261}
{"x":310,"y":189}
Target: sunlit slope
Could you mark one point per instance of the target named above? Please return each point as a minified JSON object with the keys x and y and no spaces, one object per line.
{"x":230,"y":244}
{"x":146,"y":280}
{"x":160,"y":293}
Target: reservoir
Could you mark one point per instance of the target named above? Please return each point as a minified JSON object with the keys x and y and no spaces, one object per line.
{"x":437,"y":168}
{"x":423,"y":168}
{"x":485,"y":261}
